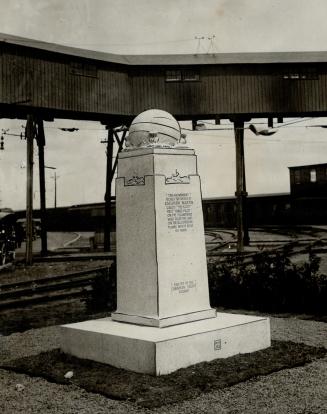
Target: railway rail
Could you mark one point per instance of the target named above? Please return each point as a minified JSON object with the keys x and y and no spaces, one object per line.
{"x":296,"y":241}
{"x":77,"y":284}
{"x":51,"y":288}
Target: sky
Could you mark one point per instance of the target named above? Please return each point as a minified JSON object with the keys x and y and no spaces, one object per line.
{"x":170,"y":26}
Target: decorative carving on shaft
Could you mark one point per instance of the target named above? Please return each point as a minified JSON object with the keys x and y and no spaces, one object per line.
{"x":176,"y":178}
{"x":135,"y":180}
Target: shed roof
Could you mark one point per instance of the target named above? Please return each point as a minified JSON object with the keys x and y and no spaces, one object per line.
{"x":171,"y":59}
{"x":308,"y":166}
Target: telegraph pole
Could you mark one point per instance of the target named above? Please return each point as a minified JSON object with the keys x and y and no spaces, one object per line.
{"x":55,"y":189}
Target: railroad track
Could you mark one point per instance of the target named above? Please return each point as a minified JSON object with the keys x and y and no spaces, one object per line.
{"x":300,"y":241}
{"x":26,"y":293}
{"x":295,"y":248}
{"x":304,"y":235}
{"x":77,"y":284}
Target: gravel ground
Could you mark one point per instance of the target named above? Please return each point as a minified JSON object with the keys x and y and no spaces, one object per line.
{"x":295,"y":391}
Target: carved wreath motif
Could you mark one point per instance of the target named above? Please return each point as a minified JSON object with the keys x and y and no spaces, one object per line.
{"x":135,"y":180}
{"x":176,"y":178}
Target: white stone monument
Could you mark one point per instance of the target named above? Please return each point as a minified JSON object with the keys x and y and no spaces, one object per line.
{"x":163,"y":320}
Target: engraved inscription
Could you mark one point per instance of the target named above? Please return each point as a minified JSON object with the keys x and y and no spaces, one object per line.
{"x":179,"y":211}
{"x":183,"y":286}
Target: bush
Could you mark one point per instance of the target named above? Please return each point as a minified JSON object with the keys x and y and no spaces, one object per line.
{"x":271,"y":282}
{"x":103,"y":295}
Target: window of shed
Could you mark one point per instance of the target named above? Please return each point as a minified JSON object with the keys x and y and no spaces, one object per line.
{"x":191,"y":76}
{"x":297,"y":177}
{"x":82,"y":69}
{"x":302,"y":74}
{"x":173,"y":75}
{"x":313,"y":175}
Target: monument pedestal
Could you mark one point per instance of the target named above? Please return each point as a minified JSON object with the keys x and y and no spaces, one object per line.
{"x":163,"y":320}
{"x":160,"y":351}
{"x":161,"y":260}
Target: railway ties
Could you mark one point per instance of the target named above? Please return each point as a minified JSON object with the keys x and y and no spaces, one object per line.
{"x":26,"y":293}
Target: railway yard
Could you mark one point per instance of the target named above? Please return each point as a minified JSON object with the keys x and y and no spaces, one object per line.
{"x":35,"y":299}
{"x":63,"y":278}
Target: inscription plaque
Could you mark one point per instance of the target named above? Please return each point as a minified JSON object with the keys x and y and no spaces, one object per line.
{"x":183,"y":286}
{"x":217,"y":345}
{"x":179,"y":211}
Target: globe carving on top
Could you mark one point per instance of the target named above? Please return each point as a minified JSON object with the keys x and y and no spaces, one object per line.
{"x":154,"y":128}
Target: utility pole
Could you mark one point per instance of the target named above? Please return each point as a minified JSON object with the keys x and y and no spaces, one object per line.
{"x":30,"y":133}
{"x":55,"y":189}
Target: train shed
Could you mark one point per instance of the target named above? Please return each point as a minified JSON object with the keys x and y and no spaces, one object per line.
{"x":40,"y":81}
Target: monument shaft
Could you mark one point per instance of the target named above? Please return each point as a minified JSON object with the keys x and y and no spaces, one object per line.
{"x":161,"y":259}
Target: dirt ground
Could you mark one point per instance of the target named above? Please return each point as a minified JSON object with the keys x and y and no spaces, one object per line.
{"x":149,"y":391}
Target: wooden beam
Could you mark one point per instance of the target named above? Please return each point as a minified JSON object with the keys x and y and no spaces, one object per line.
{"x":29,"y":133}
{"x":241,"y":194}
{"x":246,"y":237}
{"x":120,"y":147}
{"x":111,"y":169}
{"x":41,"y":144}
{"x":107,"y":198}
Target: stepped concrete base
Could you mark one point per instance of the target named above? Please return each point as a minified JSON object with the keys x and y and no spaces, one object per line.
{"x":164,"y":322}
{"x":160,"y":351}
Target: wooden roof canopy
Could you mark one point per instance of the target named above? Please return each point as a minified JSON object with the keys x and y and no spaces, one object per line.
{"x":66,"y":82}
{"x":171,"y":59}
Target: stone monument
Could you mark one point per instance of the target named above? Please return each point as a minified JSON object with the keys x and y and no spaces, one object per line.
{"x":163,"y":320}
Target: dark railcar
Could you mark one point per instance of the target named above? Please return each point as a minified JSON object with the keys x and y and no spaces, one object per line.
{"x":8,"y":236}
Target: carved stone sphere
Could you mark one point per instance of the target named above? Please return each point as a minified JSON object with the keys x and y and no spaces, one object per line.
{"x":153,"y":128}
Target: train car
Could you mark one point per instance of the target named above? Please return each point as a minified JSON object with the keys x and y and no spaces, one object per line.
{"x":8,"y":238}
{"x":264,"y":209}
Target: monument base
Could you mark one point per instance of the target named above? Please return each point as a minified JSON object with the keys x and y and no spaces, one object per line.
{"x":164,"y":322}
{"x":156,"y":351}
